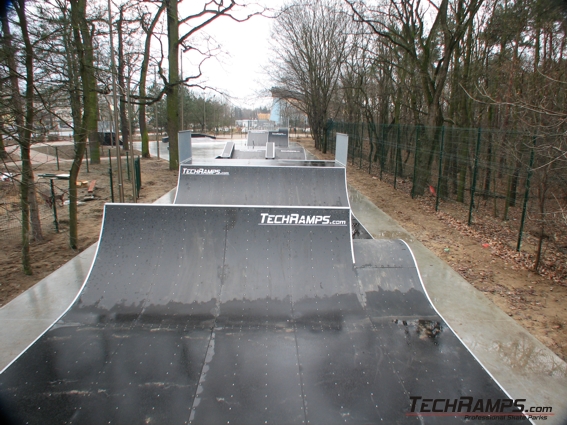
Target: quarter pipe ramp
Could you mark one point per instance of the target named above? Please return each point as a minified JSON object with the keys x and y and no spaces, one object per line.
{"x":244,"y":315}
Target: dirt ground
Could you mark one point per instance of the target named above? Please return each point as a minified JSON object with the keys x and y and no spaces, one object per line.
{"x":535,"y":301}
{"x":480,"y":253}
{"x":54,"y":251}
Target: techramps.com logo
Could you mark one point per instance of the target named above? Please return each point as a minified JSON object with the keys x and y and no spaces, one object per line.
{"x":299,"y":220}
{"x":478,"y":409}
{"x":204,"y":172}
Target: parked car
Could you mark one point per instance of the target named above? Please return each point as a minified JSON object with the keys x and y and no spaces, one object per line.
{"x":166,"y":138}
{"x":107,"y":139}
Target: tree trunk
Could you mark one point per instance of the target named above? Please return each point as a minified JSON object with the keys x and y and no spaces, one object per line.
{"x":171,"y":88}
{"x":83,"y":39}
{"x":3,"y":153}
{"x":24,"y":120}
{"x":35,"y":221}
{"x":542,"y":192}
{"x":124,"y":128}
{"x":88,"y":123}
{"x":143,"y":77}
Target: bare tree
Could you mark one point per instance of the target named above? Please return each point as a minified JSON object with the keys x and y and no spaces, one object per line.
{"x":312,"y":40}
{"x":87,"y":128}
{"x":428,"y":34}
{"x":24,"y":114}
{"x":180,"y":32}
{"x":148,"y":24}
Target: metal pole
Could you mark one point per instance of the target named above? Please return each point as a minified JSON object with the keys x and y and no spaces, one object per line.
{"x":55,"y":221}
{"x":181,"y":88}
{"x":382,"y":150}
{"x":156,"y":114}
{"x":350,"y":132}
{"x":396,"y":158}
{"x":111,"y":185}
{"x":526,"y":195}
{"x":360,"y":130}
{"x":440,"y":170}
{"x":157,"y":142}
{"x":87,"y":157}
{"x":473,"y":185}
{"x":131,"y":146}
{"x":369,"y":130}
{"x":415,"y":161}
{"x":115,"y":103}
{"x":57,"y":157}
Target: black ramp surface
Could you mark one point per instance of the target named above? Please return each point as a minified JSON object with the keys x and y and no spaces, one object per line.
{"x":219,"y":184}
{"x":215,"y":315}
{"x":132,"y":348}
{"x":279,"y":137}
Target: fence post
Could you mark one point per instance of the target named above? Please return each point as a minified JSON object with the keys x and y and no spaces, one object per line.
{"x":473,"y":184}
{"x":111,"y":184}
{"x":382,"y":150}
{"x":327,"y":135}
{"x":127,"y":166}
{"x":348,"y":130}
{"x":396,"y":158}
{"x":138,"y":173}
{"x":87,"y":157}
{"x":440,"y":169}
{"x":360,"y":130}
{"x":526,"y":195}
{"x":157,"y":144}
{"x":55,"y":221}
{"x":415,"y":161}
{"x":371,"y":130}
{"x":57,"y":157}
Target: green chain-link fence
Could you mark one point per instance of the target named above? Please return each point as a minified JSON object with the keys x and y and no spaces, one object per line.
{"x":468,"y":173}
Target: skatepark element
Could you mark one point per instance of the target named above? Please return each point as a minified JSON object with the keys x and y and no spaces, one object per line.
{"x":258,"y":138}
{"x":290,"y":183}
{"x":263,"y":144}
{"x":223,"y":314}
{"x":294,"y":153}
{"x":268,"y":151}
{"x":299,"y":183}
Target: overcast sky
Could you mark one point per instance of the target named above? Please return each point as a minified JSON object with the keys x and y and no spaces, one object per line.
{"x":239,"y":71}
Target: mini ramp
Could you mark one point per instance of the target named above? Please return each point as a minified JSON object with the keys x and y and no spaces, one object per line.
{"x":243,"y":315}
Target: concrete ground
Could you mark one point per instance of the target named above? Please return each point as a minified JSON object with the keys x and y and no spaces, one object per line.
{"x":523,"y":366}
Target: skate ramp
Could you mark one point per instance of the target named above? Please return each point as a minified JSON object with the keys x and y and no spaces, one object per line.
{"x":293,"y":184}
{"x":213,"y":314}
